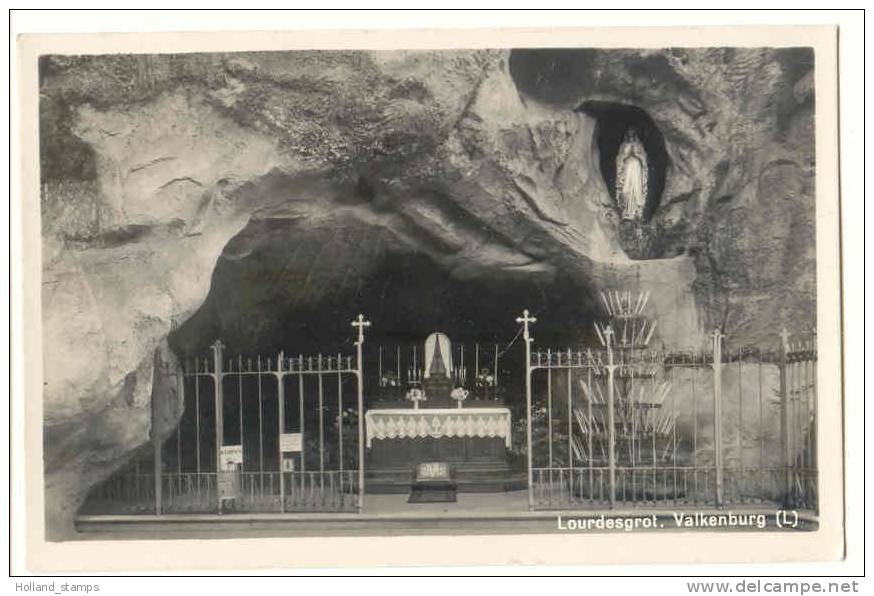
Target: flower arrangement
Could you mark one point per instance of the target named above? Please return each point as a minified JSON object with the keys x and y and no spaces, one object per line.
{"x":459,"y":394}
{"x":485,"y":379}
{"x":389,"y":380}
{"x":415,"y":395}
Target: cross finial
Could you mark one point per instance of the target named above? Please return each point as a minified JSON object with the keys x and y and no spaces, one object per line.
{"x":361,"y":324}
{"x":525,"y":320}
{"x":784,"y":336}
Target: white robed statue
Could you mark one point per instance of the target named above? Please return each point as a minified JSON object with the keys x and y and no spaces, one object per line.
{"x":631,"y":173}
{"x":438,"y":356}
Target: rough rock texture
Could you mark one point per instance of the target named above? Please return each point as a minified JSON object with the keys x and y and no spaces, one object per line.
{"x":739,"y":193}
{"x":306,"y":174}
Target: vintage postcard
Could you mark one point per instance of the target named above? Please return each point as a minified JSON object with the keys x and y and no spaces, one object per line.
{"x":480,"y":297}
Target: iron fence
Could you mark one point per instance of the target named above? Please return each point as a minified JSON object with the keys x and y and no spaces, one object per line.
{"x":280,"y":434}
{"x":255,"y":492}
{"x":651,"y":428}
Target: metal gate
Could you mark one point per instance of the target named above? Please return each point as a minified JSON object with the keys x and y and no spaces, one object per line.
{"x":625,"y":426}
{"x":263,"y":434}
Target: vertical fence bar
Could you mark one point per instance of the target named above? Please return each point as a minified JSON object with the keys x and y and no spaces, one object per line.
{"x":360,"y":323}
{"x":592,"y":428}
{"x":300,"y":392}
{"x":156,"y":450}
{"x":675,"y":415}
{"x":197,"y":417}
{"x":525,"y":320}
{"x":611,"y":418}
{"x":784,"y":419}
{"x":240,"y":403}
{"x":814,"y":456}
{"x":633,"y":443}
{"x":260,"y":424}
{"x":717,"y":412}
{"x":761,"y":432}
{"x":570,"y":416}
{"x":219,"y":415}
{"x":695,"y":424}
{"x":321,"y":420}
{"x":280,"y":415}
{"x":740,"y":424}
{"x":549,"y":409}
{"x":340,"y":421}
{"x":805,"y":410}
{"x":180,"y":388}
{"x":792,"y":434}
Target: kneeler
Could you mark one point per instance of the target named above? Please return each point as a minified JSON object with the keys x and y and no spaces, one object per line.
{"x":433,"y":484}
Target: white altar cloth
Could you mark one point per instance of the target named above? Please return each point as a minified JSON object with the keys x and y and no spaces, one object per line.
{"x":410,"y":423}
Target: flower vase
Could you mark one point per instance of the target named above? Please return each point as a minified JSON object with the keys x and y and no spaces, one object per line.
{"x":415,"y":404}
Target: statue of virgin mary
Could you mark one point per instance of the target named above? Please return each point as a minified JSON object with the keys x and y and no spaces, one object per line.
{"x":631,"y":173}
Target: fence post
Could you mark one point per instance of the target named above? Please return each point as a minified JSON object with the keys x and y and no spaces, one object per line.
{"x":156,"y":447}
{"x":611,"y":417}
{"x":784,"y":418}
{"x":219,"y":417}
{"x":526,"y":335}
{"x":280,"y":398}
{"x":717,"y":411}
{"x":570,"y":415}
{"x":360,"y":323}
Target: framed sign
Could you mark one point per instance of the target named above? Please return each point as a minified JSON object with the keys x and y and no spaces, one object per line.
{"x":231,"y":456}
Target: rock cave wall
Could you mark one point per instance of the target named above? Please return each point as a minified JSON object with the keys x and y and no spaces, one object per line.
{"x":304,"y":173}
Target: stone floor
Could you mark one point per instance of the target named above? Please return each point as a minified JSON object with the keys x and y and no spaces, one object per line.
{"x":474,"y":504}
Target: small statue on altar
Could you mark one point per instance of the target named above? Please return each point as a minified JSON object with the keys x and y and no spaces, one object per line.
{"x":631,"y":177}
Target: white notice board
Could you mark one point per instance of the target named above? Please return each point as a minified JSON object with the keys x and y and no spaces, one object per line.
{"x":289,"y":442}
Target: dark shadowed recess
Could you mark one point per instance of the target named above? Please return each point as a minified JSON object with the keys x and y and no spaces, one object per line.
{"x":555,"y":76}
{"x":278,"y":296}
{"x":406,"y":295}
{"x":614,"y":120}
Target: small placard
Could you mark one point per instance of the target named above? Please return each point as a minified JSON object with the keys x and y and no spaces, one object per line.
{"x":231,"y":456}
{"x":289,"y":442}
{"x":432,"y":471}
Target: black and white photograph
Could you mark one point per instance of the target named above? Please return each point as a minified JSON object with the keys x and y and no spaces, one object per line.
{"x":525,"y":289}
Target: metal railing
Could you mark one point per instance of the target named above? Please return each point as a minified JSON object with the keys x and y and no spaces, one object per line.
{"x":668,"y":486}
{"x":252,"y":492}
{"x":629,"y":426}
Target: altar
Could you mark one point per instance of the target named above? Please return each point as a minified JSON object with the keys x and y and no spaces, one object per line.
{"x":438,"y":423}
{"x":441,"y":412}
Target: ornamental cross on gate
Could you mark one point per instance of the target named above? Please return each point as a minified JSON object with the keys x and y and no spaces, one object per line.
{"x":525,"y":320}
{"x":361,"y":324}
